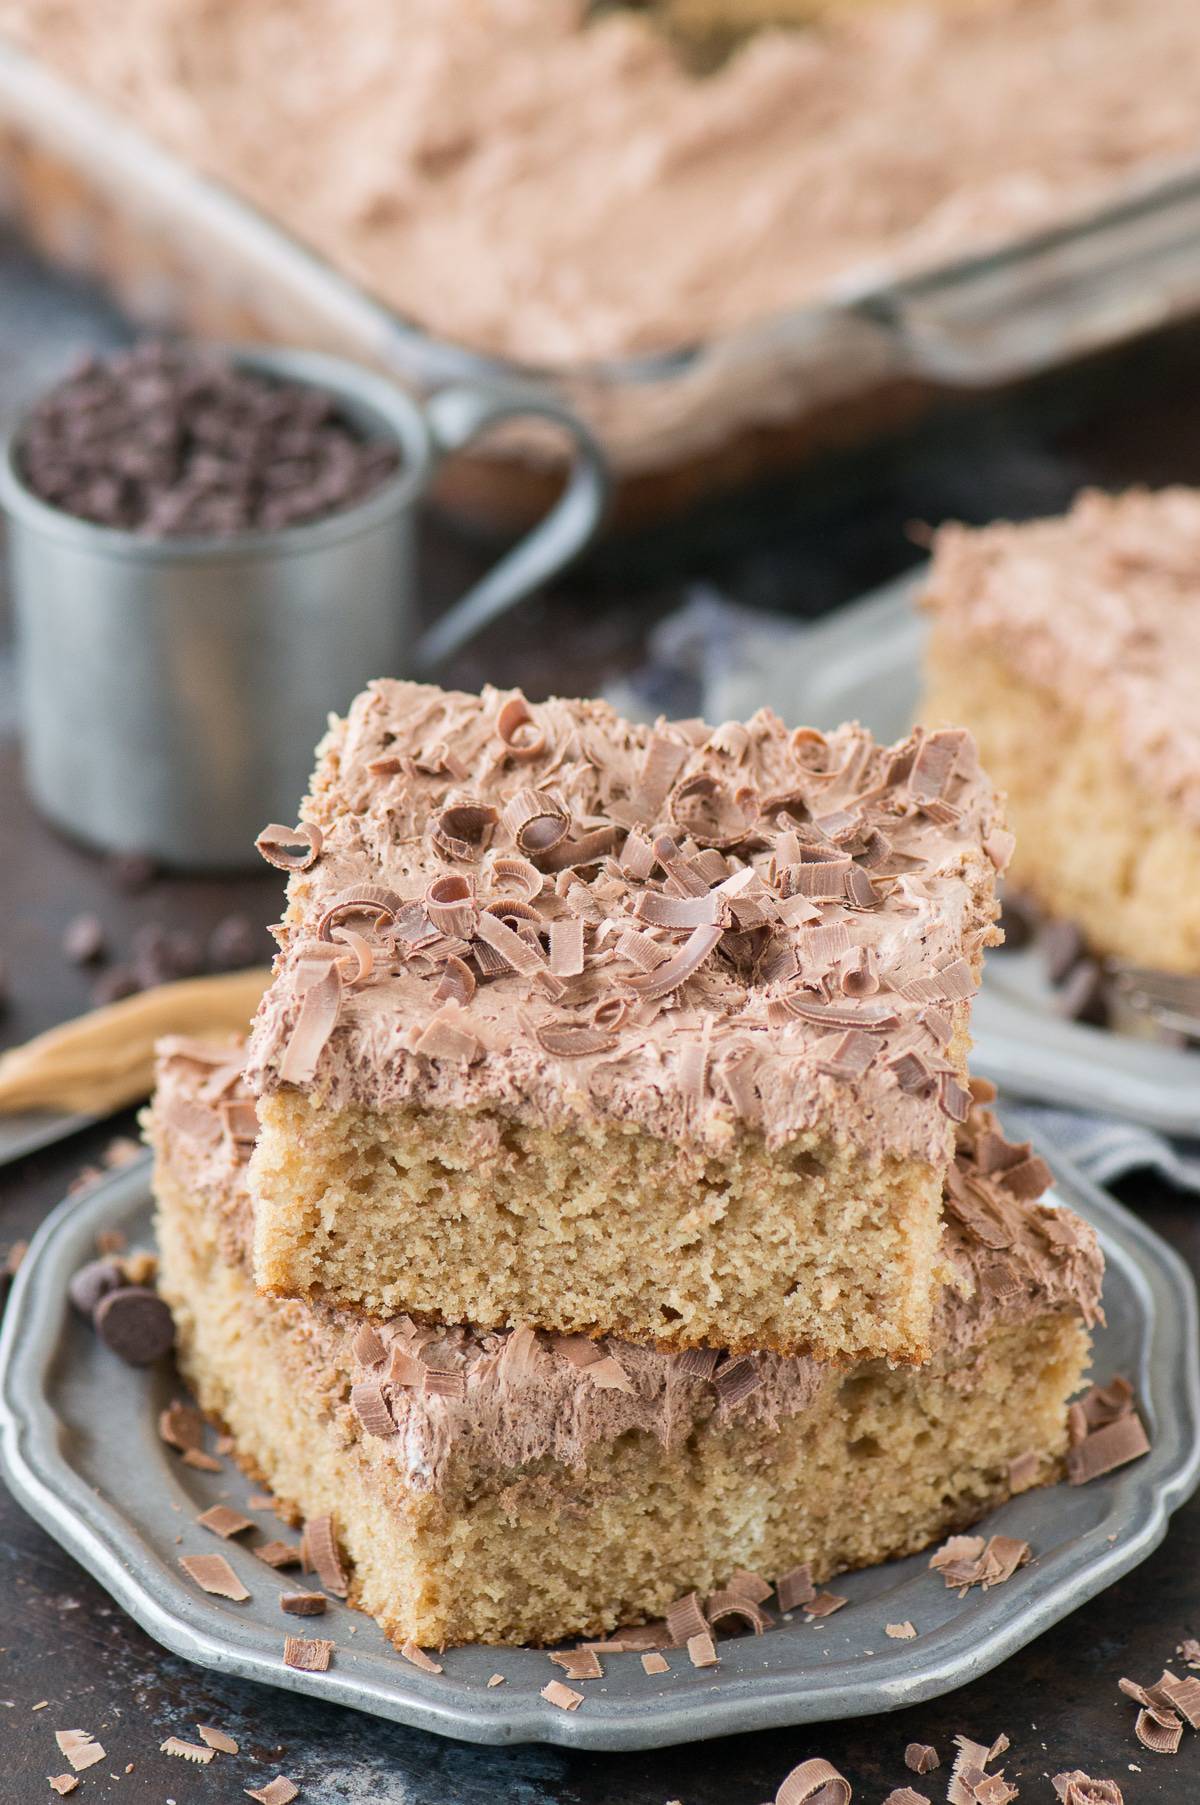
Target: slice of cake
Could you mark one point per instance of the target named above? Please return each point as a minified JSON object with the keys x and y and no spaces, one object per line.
{"x":657,"y":1032}
{"x":1071,"y":647}
{"x":519,"y":1486}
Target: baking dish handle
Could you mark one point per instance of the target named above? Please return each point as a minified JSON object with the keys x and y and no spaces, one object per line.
{"x":1071,"y":293}
{"x":456,"y":415}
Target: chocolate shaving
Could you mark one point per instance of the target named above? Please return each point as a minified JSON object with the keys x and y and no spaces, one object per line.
{"x":371,"y":1407}
{"x":376,"y":900}
{"x":682,"y":911}
{"x":222,"y":1521}
{"x":290,"y":848}
{"x":516,"y":727}
{"x":566,"y":947}
{"x":364,"y":957}
{"x":1105,"y":1449}
{"x":872,"y":1018}
{"x":722,"y":1606}
{"x":695,"y":1362}
{"x":637,"y":857}
{"x":795,"y":1587}
{"x":906,"y":1795}
{"x":181,"y":1426}
{"x":735,"y":1380}
{"x":506,"y":870}
{"x":860,"y":891}
{"x":579,"y":1663}
{"x":1182,"y":1696}
{"x":446,"y":1036}
{"x":367,"y":1345}
{"x":313,"y":1027}
{"x":463,"y":830}
{"x":187,"y":1751}
{"x":555,"y":1693}
{"x":664,"y":760}
{"x":319,"y":1553}
{"x":849,"y":1057}
{"x":685,"y":1619}
{"x":702,"y":1650}
{"x":814,"y":1782}
{"x":641,"y":950}
{"x":824,"y":1604}
{"x":307,"y":1655}
{"x":704,"y":810}
{"x":900,"y":1632}
{"x":1159,"y":1731}
{"x":239,"y":1120}
{"x":418,"y":1658}
{"x":921,"y":1758}
{"x":62,"y":1784}
{"x":279,"y":1554}
{"x":536,"y":820}
{"x":524,"y":956}
{"x":438,"y":1383}
{"x":750,"y":1585}
{"x":1076,"y":1788}
{"x":203,"y":1463}
{"x":80,"y":1748}
{"x":279,"y":1791}
{"x":570,"y":855}
{"x":457,"y":983}
{"x":609,"y":1375}
{"x":523,"y":1357}
{"x":449,"y":902}
{"x":654,"y":1664}
{"x":678,"y":969}
{"x":212,"y":1573}
{"x":303,"y":1604}
{"x":681,"y":871}
{"x":954,"y":1099}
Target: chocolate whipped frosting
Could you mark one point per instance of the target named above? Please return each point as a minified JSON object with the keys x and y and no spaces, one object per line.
{"x":551,"y":912}
{"x":505,"y":1399}
{"x":1099,"y":608}
{"x":545,"y":179}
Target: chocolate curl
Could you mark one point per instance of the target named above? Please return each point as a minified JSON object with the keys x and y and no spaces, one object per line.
{"x":516,"y":727}
{"x":665,"y":758}
{"x":574,"y":1040}
{"x":586,"y":850}
{"x":730,"y":1604}
{"x":290,"y":848}
{"x":525,"y":956}
{"x":686,"y":962}
{"x":703,"y":809}
{"x":508,"y":872}
{"x":457,"y":983}
{"x":314,"y":1025}
{"x":364,"y":957}
{"x":367,"y":899}
{"x":450,"y":905}
{"x":814,"y":1782}
{"x":661,"y":911}
{"x":463,"y":830}
{"x":536,"y":820}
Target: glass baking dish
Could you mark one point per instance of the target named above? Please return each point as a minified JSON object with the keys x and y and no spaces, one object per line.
{"x":99,"y":199}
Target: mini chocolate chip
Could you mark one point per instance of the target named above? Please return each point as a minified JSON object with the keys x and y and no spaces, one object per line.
{"x":92,"y":1282}
{"x":136,"y":1324}
{"x":83,"y":941}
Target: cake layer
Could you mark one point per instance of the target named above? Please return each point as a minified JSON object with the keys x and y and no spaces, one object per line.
{"x":518,"y":1486}
{"x":571,"y":1011}
{"x":1072,"y":649}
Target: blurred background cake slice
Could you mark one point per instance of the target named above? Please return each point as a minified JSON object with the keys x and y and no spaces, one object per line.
{"x":651,"y":1032}
{"x":519,"y":1486}
{"x":1071,"y":647}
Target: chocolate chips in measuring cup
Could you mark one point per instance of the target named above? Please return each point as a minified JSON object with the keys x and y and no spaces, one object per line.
{"x":172,"y":441}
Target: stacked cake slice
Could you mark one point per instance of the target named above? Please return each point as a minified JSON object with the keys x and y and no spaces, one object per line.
{"x":620,"y":1215}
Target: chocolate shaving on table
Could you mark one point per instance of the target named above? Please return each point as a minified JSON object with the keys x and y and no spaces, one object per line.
{"x":795,"y":1587}
{"x":280,"y":1554}
{"x":1182,"y":1696}
{"x":307,"y":1654}
{"x":187,"y":1751}
{"x":224,"y":1521}
{"x":290,"y":848}
{"x":80,"y":1748}
{"x":814,"y":1782}
{"x":370,"y":1405}
{"x":685,"y":1618}
{"x":556,"y":1693}
{"x":497,"y":1679}
{"x":1159,"y":1731}
{"x":62,"y":1784}
{"x":217,"y":1739}
{"x":921,"y":1758}
{"x":824,"y":1604}
{"x":579,"y":1663}
{"x":1078,"y":1788}
{"x":279,"y":1791}
{"x":702,"y":1650}
{"x":316,"y":1021}
{"x":212,"y":1573}
{"x":906,"y":1795}
{"x":730,"y":1606}
{"x":653,"y":1663}
{"x":319,"y":1553}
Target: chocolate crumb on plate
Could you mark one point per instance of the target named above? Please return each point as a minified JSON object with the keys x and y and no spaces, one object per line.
{"x":201,"y":1460}
{"x":303,"y":1604}
{"x":80,"y":1748}
{"x":921,"y":1758}
{"x":900,"y":1632}
{"x":319,"y":1552}
{"x":187,"y":1751}
{"x":814,"y":1782}
{"x":905,"y":1795}
{"x":217,"y":1739}
{"x":702,"y":1650}
{"x":497,"y":1679}
{"x":824,"y":1604}
{"x":212,"y":1573}
{"x":136,"y":1324}
{"x":224,"y":1521}
{"x":279,"y":1554}
{"x":555,"y":1693}
{"x":308,"y":1655}
{"x":794,"y":1587}
{"x":685,"y":1619}
{"x":419,"y":1658}
{"x":279,"y":1791}
{"x":655,"y":1663}
{"x":1078,"y":1788}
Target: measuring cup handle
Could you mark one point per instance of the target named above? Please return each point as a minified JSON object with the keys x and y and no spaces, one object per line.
{"x":456,"y":415}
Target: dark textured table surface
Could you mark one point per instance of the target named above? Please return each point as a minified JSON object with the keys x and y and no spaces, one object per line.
{"x":66,"y":1649}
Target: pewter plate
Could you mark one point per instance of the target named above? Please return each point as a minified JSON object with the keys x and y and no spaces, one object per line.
{"x":80,"y":1450}
{"x":864,"y":663}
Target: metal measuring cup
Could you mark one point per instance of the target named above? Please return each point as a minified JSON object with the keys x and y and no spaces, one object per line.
{"x":172,"y":690}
